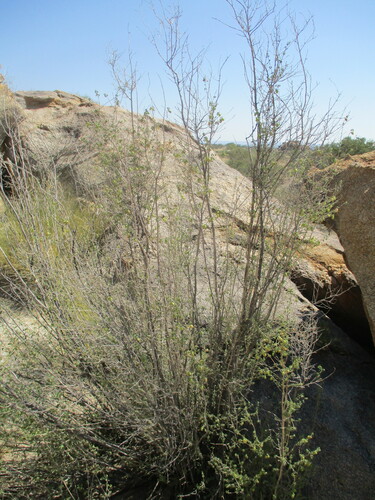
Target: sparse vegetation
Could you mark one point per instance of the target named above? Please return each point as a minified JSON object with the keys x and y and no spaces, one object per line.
{"x":237,"y":156}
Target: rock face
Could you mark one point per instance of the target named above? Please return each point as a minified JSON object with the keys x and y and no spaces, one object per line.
{"x":59,"y":131}
{"x":355,"y":223}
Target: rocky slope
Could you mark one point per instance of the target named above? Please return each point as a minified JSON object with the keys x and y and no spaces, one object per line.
{"x":60,"y":131}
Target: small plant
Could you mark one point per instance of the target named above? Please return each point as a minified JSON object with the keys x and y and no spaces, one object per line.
{"x":257,"y":449}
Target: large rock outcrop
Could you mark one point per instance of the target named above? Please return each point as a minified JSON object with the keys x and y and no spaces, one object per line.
{"x":64,"y":132}
{"x":355,"y":222}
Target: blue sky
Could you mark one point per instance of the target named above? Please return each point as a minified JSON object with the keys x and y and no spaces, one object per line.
{"x":64,"y":44}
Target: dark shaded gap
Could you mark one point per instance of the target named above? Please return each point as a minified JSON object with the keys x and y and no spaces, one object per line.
{"x":6,"y":165}
{"x":346,"y":310}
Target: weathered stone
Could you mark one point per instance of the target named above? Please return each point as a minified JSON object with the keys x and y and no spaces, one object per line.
{"x":35,"y":99}
{"x":355,"y":223}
